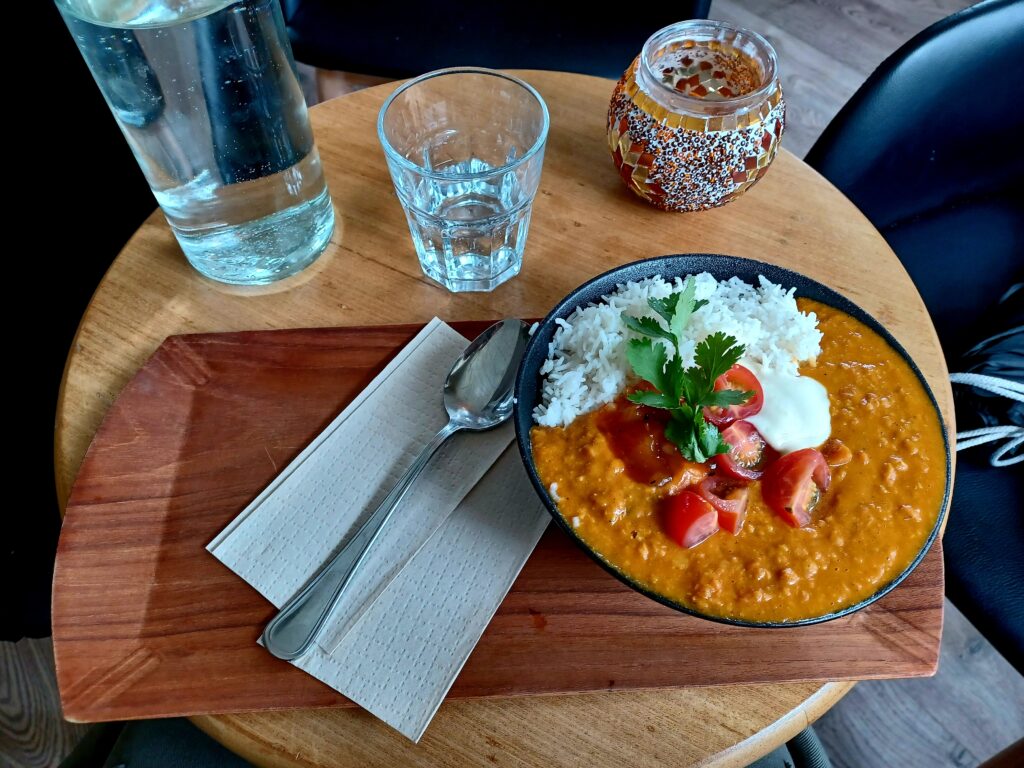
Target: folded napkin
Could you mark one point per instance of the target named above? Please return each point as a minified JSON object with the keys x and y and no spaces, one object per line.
{"x":426,"y":591}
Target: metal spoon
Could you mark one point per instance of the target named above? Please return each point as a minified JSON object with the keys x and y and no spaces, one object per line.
{"x":477,"y":396}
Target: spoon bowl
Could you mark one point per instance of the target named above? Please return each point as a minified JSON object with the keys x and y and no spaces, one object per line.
{"x":478,"y":393}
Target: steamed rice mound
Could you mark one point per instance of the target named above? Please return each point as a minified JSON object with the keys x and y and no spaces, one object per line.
{"x":587,"y":366}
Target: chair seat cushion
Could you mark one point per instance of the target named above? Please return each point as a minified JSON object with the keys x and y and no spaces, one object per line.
{"x":962,"y":258}
{"x":984,"y":563}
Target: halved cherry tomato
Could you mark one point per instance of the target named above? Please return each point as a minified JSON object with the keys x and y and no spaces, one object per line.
{"x":729,"y":498}
{"x":744,"y":380}
{"x":748,"y":454}
{"x":792,"y":486}
{"x":689,"y":519}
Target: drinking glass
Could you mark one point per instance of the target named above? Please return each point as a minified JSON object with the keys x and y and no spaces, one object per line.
{"x":465,"y":148}
{"x":205,"y":92}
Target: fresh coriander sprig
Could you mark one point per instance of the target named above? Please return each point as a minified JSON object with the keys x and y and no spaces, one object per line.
{"x":684,"y":393}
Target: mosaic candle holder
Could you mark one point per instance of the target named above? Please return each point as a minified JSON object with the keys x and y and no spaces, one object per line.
{"x":696,"y":119}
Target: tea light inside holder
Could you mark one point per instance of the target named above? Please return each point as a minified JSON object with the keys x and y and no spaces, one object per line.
{"x":697,"y":117}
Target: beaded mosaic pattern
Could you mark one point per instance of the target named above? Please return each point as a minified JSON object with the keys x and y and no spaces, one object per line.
{"x":681,"y":162}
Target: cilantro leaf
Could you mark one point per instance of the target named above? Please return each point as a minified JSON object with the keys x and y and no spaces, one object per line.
{"x":683,"y":413}
{"x":681,"y":434}
{"x":716,"y":354}
{"x":674,"y":376}
{"x":727,"y":397}
{"x":653,"y":399}
{"x":648,"y":359}
{"x":685,"y":307}
{"x":666,"y":307}
{"x":689,"y":387}
{"x":647,"y":326}
{"x":711,"y":442}
{"x":696,"y":439}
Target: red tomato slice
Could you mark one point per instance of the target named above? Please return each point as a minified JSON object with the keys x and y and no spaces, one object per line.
{"x":729,"y":498}
{"x":748,"y":454}
{"x":689,"y":519}
{"x":792,"y":486}
{"x":744,"y":380}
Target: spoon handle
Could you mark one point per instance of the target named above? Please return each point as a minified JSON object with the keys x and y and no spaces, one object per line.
{"x":292,"y":631}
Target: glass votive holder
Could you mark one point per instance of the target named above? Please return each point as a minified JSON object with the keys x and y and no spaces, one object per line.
{"x":697,"y":117}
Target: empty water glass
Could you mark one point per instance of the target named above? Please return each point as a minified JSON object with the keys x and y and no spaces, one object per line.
{"x":465,"y":148}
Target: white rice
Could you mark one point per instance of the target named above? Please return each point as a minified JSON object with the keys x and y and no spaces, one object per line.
{"x":587,"y":366}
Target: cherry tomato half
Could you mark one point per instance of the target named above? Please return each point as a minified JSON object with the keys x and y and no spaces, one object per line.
{"x":792,"y":486}
{"x":748,"y":454}
{"x":729,"y":498}
{"x":689,"y":519}
{"x":742,"y":379}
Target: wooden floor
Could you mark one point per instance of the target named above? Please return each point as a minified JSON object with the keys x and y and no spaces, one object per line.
{"x":972,"y":708}
{"x":32,"y":732}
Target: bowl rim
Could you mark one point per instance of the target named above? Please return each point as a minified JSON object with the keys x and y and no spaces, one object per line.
{"x":523,"y":420}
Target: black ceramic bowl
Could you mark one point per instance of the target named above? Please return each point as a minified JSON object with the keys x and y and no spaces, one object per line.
{"x":528,"y":389}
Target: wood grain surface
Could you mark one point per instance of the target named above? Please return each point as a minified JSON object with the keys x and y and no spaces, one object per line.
{"x":207,"y":424}
{"x":584,"y":222}
{"x":32,"y":733}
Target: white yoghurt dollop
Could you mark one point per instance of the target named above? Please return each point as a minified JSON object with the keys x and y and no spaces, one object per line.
{"x":795,"y":413}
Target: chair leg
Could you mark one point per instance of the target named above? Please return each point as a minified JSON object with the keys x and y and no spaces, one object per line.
{"x":804,"y":750}
{"x":95,"y":746}
{"x":808,"y":751}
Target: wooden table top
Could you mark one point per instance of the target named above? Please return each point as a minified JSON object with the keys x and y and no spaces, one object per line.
{"x":584,"y":222}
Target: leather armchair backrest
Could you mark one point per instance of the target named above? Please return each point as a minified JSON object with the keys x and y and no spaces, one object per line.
{"x":402,"y":38}
{"x":940,"y":120}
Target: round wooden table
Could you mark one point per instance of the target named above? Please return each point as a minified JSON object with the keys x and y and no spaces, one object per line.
{"x":584,"y":222}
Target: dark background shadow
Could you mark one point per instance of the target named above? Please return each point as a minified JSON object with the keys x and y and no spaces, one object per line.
{"x":84,"y":196}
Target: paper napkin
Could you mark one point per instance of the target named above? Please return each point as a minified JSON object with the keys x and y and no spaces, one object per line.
{"x":318,"y":502}
{"x":424,"y":594}
{"x":404,"y":653}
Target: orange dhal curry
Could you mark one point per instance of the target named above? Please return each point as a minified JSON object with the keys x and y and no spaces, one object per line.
{"x":884,"y":484}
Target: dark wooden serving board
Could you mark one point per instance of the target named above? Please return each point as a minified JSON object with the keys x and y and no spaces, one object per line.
{"x":146,"y":623}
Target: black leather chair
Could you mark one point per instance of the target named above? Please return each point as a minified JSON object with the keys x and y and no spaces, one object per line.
{"x":931,"y":149}
{"x":403,"y":39}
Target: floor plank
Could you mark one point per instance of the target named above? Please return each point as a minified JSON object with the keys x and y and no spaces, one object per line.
{"x":827,"y":48}
{"x":33,"y":734}
{"x":972,"y":709}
